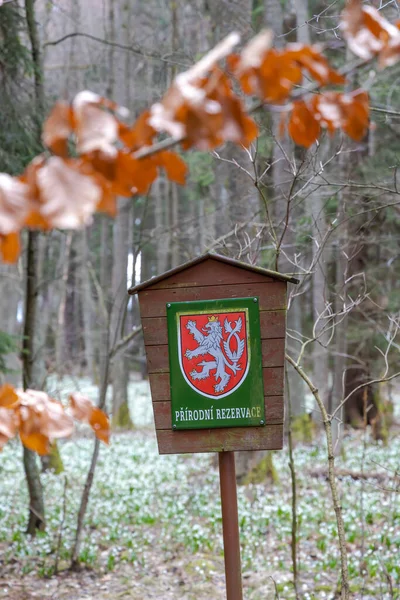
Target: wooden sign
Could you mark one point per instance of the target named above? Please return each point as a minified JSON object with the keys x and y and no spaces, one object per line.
{"x":214,"y":332}
{"x":215,"y":364}
{"x":203,"y":281}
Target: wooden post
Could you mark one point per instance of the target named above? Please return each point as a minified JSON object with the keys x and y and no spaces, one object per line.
{"x":230,"y":526}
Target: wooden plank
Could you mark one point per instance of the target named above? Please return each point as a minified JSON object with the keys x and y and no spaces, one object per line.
{"x":273,"y":355}
{"x":273,"y":381}
{"x":211,"y":272}
{"x":272,"y":326}
{"x":269,"y":437}
{"x":160,"y":386}
{"x":274,"y":412}
{"x":272,"y":296}
{"x":157,"y":359}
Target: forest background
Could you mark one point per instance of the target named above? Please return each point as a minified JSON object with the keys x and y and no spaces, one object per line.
{"x":329,"y":215}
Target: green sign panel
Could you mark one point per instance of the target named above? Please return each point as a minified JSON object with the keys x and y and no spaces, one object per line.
{"x":215,"y":363}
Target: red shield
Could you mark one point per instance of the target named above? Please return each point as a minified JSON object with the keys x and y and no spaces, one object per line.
{"x":213,"y":351}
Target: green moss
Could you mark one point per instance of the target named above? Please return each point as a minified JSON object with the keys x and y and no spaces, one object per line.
{"x":123,"y":418}
{"x":264,"y":470}
{"x":382,"y":423}
{"x":303,"y":428}
{"x":55,"y":462}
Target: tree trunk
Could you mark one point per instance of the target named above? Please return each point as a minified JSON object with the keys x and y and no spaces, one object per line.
{"x":122,"y":246}
{"x":31,"y":379}
{"x":30,"y":359}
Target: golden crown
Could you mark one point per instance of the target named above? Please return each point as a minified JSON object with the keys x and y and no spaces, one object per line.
{"x":212,"y":319}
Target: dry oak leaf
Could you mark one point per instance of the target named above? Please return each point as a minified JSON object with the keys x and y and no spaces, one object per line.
{"x":42,"y":420}
{"x":15,"y":203}
{"x":10,"y":247}
{"x":66,"y":198}
{"x":140,"y":134}
{"x":8,"y":425}
{"x":304,"y":128}
{"x":91,"y":118}
{"x":332,"y":110}
{"x":8,"y":396}
{"x":271,"y":74}
{"x":200,"y":106}
{"x":83,"y":410}
{"x":218,"y":118}
{"x":100,"y":424}
{"x":368,"y":33}
{"x":349,"y":112}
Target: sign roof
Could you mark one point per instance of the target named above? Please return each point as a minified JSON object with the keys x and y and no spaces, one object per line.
{"x":217,"y":257}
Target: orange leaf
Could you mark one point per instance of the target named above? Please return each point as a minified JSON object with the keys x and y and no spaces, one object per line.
{"x":68,"y":198}
{"x":174,"y":166}
{"x":15,"y":203}
{"x":57,"y":128}
{"x":141,"y":134}
{"x":367,"y":33}
{"x":8,"y":396}
{"x":271,"y":73}
{"x":81,"y":406}
{"x":95,"y":128}
{"x":8,"y":423}
{"x":100,"y":424}
{"x":303,"y":127}
{"x":10,"y":247}
{"x":40,"y":414}
{"x":37,"y":442}
{"x":201,"y":106}
{"x":3,"y":441}
{"x":355,"y":108}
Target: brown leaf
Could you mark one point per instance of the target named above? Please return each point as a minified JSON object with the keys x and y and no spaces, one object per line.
{"x":10,"y":247}
{"x":15,"y":203}
{"x":57,"y":128}
{"x":201,"y":107}
{"x":8,"y":396}
{"x":141,"y":134}
{"x":3,"y":441}
{"x":174,"y":166}
{"x":355,"y":107}
{"x":81,"y":407}
{"x":390,"y":53}
{"x":40,"y":414}
{"x":37,"y":442}
{"x":100,"y":424}
{"x":367,"y":33}
{"x":303,"y":127}
{"x":271,"y":74}
{"x":68,"y":198}
{"x":8,"y":423}
{"x":95,"y":127}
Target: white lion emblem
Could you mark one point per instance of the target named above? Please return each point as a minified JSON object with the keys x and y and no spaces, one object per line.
{"x":212,"y":343}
